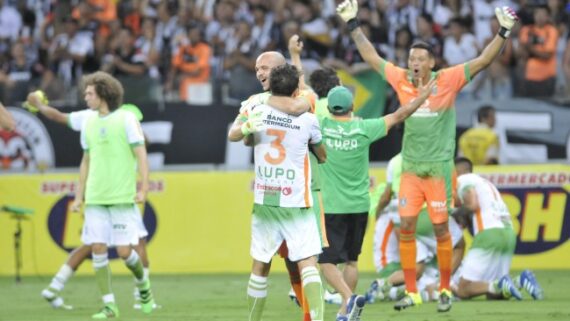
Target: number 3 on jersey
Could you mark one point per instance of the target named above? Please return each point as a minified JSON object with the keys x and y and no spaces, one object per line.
{"x":276,"y":144}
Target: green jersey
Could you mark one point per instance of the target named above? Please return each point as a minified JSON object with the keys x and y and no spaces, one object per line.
{"x":345,"y":174}
{"x":108,"y":140}
{"x":429,"y":134}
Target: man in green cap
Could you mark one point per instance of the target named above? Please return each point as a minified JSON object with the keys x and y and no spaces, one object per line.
{"x":345,"y":188}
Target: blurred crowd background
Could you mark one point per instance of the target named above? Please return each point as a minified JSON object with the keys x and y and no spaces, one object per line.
{"x":205,"y":50}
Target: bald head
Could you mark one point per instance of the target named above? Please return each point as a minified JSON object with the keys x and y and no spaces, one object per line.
{"x":263,"y":65}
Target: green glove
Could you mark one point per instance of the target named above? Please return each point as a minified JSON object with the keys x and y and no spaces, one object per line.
{"x":347,"y":9}
{"x":253,"y":124}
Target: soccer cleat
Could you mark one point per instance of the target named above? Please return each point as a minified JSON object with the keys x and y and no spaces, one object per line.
{"x":508,"y":289}
{"x":293,"y":297}
{"x":373,"y":292}
{"x":55,"y":300}
{"x":147,"y":300}
{"x":332,"y":298}
{"x":444,"y":301}
{"x":109,"y":311}
{"x":528,"y":281}
{"x":341,"y":317}
{"x":354,"y":307}
{"x":411,"y":299}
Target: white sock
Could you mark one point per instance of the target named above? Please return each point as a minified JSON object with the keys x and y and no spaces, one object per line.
{"x":146,"y":271}
{"x":257,"y":286}
{"x":132,"y":259}
{"x":109,"y":298}
{"x":492,"y":289}
{"x":61,"y":277}
{"x":100,"y":260}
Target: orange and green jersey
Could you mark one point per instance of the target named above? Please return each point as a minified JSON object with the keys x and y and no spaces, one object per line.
{"x":429,"y":134}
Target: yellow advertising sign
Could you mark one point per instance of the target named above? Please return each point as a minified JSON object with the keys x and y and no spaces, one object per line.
{"x":199,"y":222}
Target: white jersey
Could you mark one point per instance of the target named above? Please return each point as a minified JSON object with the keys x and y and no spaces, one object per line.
{"x":76,"y":119}
{"x":493,"y":212}
{"x":281,"y":156}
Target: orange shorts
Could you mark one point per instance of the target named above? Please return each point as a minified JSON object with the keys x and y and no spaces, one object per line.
{"x":437,"y":192}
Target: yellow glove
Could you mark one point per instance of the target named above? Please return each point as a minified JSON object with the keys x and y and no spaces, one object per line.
{"x":347,"y":9}
{"x":253,"y":124}
{"x":34,"y":98}
{"x":507,"y":18}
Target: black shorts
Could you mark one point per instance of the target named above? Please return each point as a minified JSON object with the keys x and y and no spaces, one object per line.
{"x":345,"y":233}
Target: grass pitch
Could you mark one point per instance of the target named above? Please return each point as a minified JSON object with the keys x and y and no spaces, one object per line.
{"x":222,"y":297}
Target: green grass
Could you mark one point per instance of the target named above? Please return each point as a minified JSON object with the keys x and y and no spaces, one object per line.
{"x":222,"y":297}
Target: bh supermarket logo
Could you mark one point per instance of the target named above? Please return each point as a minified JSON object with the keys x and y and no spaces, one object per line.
{"x":65,"y":226}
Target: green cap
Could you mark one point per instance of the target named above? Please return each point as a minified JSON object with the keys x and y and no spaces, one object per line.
{"x":133,"y":109}
{"x":339,"y":100}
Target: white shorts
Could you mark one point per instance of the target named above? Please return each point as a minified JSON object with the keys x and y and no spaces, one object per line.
{"x":454,"y":230}
{"x":481,"y":265}
{"x":490,"y":255}
{"x":271,"y":225}
{"x":387,"y":247}
{"x":115,"y":225}
{"x":140,"y":224}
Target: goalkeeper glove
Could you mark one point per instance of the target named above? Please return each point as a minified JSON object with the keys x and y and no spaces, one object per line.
{"x":253,"y":124}
{"x":507,"y":18}
{"x":31,"y":106}
{"x":347,"y":10}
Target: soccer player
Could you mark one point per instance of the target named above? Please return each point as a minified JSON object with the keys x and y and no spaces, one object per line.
{"x":292,"y":106}
{"x":345,"y":189}
{"x":283,"y":202}
{"x":429,"y":141}
{"x":75,"y":121}
{"x":6,"y":120}
{"x":485,"y":269}
{"x":386,"y":249}
{"x":114,"y":149}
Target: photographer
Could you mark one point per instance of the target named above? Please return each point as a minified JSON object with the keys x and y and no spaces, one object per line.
{"x":537,"y":46}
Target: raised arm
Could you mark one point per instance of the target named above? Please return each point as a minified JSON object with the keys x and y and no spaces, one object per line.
{"x":295,"y":49}
{"x":51,"y":113}
{"x":405,"y":111}
{"x":507,"y":19}
{"x":289,"y":105}
{"x":6,"y":120}
{"x":348,"y":11}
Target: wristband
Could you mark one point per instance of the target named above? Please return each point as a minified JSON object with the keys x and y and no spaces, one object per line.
{"x":504,"y":32}
{"x":352,"y":24}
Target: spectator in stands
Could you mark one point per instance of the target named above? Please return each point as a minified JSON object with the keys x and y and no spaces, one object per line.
{"x":480,"y":144}
{"x":149,"y":47}
{"x":401,"y":14}
{"x":126,"y":60}
{"x":460,"y":45}
{"x":67,"y":55}
{"x":496,"y":81}
{"x":263,"y":27}
{"x":315,"y":30}
{"x":427,"y":34}
{"x":538,"y":43}
{"x":239,"y":63}
{"x":192,"y":62}
{"x":10,"y":24}
{"x":566,"y":65}
{"x":18,"y":75}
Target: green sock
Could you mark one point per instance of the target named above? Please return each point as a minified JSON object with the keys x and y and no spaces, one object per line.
{"x":102,"y":273}
{"x":256,"y":294}
{"x":313,"y":290}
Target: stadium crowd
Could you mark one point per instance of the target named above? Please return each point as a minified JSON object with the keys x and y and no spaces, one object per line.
{"x":179,"y":47}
